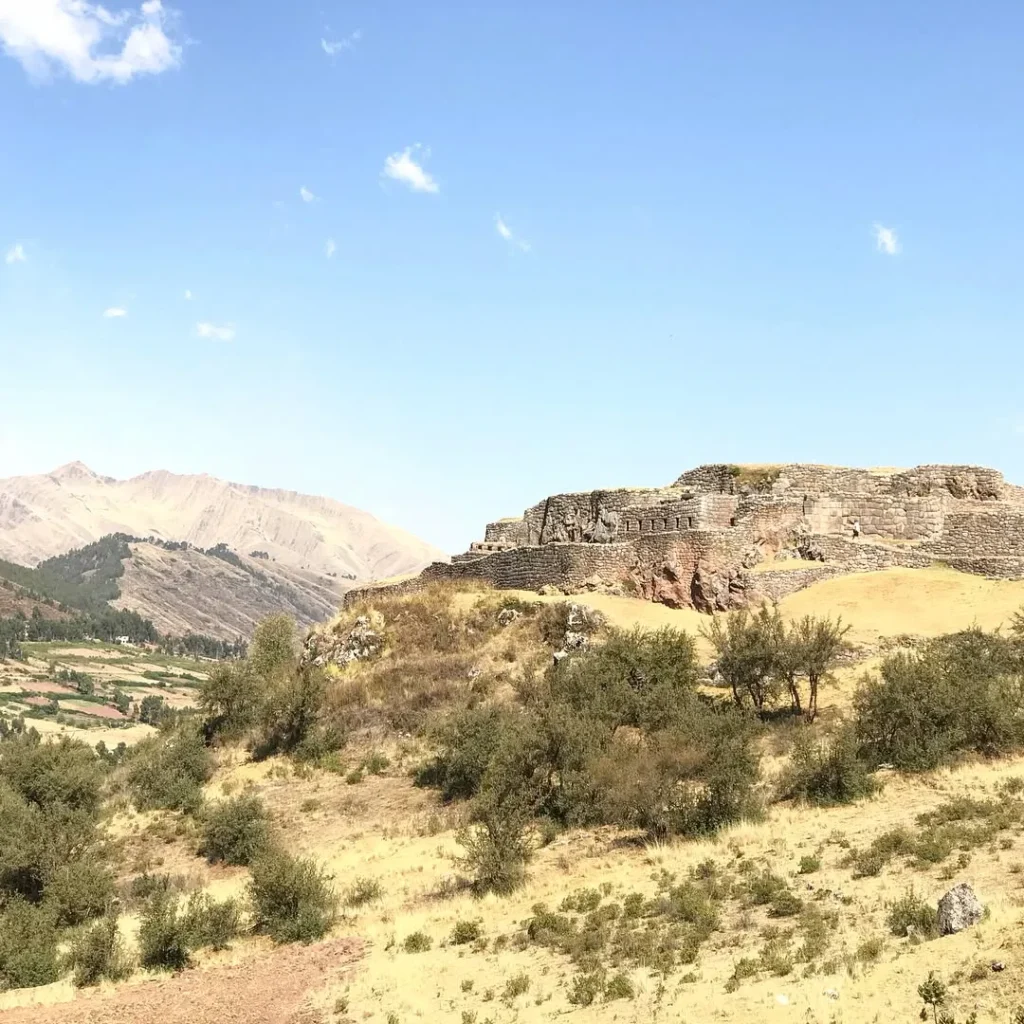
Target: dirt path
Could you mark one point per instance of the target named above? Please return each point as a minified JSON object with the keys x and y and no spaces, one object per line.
{"x":269,"y":988}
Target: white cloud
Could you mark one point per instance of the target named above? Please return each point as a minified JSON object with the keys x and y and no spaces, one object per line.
{"x":330,"y":248}
{"x":506,"y":232}
{"x":87,"y":41}
{"x":215,"y":333}
{"x":886,"y":240}
{"x":188,"y":294}
{"x":402,"y":167}
{"x":16,"y":253}
{"x":336,"y":46}
{"x":307,"y":196}
{"x":114,"y":312}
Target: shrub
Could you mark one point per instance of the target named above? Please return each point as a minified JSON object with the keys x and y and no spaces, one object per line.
{"x":467,"y":742}
{"x":230,"y":701}
{"x":363,"y":891}
{"x":212,"y":923}
{"x":619,"y":987}
{"x":635,"y":678}
{"x":292,"y":898}
{"x":690,"y":780}
{"x":586,"y":987}
{"x":911,"y":915}
{"x":99,"y":953}
{"x":497,"y":848}
{"x":64,"y":773}
{"x":80,"y":889}
{"x":515,"y":987}
{"x":293,"y":719}
{"x":28,"y":946}
{"x":809,"y":864}
{"x":829,"y":774}
{"x":870,"y":949}
{"x":167,"y":771}
{"x":235,"y":831}
{"x":466,"y":931}
{"x":417,"y":942}
{"x":958,"y":694}
{"x":164,"y":939}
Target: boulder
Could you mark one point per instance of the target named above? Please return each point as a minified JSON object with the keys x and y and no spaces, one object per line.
{"x":959,"y":909}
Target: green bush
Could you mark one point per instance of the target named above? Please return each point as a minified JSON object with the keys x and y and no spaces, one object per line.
{"x":467,"y":742}
{"x":164,"y":939}
{"x":586,"y":987}
{"x":466,"y":931}
{"x":292,"y":898}
{"x":498,"y":848}
{"x":235,"y":831}
{"x":28,"y":946}
{"x":80,"y":890}
{"x":98,"y":952}
{"x":912,"y":915}
{"x":167,"y":771}
{"x":828,"y":774}
{"x":363,"y":891}
{"x":809,"y":864}
{"x":959,"y":694}
{"x":417,"y":942}
{"x":619,"y":986}
{"x":635,"y":678}
{"x":211,"y":923}
{"x":63,"y":773}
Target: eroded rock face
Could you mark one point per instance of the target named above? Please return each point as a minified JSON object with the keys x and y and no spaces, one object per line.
{"x":360,"y":640}
{"x":717,"y":590}
{"x":959,"y":909}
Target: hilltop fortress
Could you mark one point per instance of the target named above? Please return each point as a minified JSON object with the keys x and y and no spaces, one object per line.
{"x":724,"y":536}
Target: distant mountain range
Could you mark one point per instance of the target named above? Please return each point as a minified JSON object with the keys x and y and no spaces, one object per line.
{"x":279,"y":550}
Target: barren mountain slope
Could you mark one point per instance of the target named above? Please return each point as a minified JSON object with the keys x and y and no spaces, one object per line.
{"x":45,"y":515}
{"x":189,"y":591}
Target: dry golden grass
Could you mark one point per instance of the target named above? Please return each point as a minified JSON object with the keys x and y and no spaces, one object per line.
{"x":385,"y":829}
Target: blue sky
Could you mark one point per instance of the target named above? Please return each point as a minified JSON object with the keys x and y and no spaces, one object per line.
{"x":735,"y":232}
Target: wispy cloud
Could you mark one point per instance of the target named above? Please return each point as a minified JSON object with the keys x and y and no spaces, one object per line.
{"x":115,"y":312}
{"x":406,"y":168}
{"x":188,"y":294}
{"x":224,"y":332}
{"x":336,"y":46}
{"x":87,"y":41}
{"x":330,"y":248}
{"x":886,"y":240}
{"x":306,"y":195}
{"x":16,"y":254}
{"x":506,"y":232}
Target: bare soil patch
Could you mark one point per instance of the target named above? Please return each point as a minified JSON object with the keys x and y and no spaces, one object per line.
{"x":274,"y":987}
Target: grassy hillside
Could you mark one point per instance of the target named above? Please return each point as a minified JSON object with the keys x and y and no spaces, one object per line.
{"x":669,"y":855}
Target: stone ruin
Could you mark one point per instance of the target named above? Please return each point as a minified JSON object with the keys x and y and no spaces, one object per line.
{"x":725,"y":536}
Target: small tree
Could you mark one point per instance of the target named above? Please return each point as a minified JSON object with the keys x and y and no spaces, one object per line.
{"x":230,"y":701}
{"x":933,"y":994}
{"x":273,"y":648}
{"x":498,"y":846}
{"x":747,"y":648}
{"x":817,"y":645}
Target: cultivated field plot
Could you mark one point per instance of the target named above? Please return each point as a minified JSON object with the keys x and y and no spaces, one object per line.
{"x":95,"y":690}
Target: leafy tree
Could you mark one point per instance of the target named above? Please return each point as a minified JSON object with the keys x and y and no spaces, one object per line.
{"x":292,"y":898}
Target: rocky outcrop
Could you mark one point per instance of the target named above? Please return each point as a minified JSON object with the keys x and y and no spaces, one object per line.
{"x":959,"y":909}
{"x":362,"y":639}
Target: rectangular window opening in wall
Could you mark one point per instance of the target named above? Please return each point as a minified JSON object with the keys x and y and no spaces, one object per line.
{"x":678,"y":521}
{"x":689,"y":522}
{"x":732,"y":521}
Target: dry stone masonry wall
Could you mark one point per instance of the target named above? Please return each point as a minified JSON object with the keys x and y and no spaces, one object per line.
{"x":696,"y":542}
